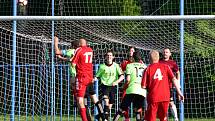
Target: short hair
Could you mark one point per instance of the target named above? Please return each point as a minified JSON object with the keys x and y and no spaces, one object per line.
{"x":166,"y":48}
{"x":154,"y":55}
{"x":75,"y":44}
{"x":131,"y":47}
{"x":137,"y":56}
{"x":109,"y":51}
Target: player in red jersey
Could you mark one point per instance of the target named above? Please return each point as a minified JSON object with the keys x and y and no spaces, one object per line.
{"x":82,"y":61}
{"x":174,"y":67}
{"x":123,"y":65}
{"x":156,"y":79}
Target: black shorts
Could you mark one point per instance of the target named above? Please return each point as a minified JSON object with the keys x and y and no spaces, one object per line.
{"x":135,"y":98}
{"x":109,"y":91}
{"x":90,"y":90}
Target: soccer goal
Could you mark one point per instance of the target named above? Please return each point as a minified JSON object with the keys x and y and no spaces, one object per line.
{"x":42,"y":87}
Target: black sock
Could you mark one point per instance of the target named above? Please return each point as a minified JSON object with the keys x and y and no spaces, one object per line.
{"x":106,"y":111}
{"x":100,"y":110}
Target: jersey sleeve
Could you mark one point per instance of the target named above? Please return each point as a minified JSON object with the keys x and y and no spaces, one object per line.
{"x":128,"y":69}
{"x":76,"y":56}
{"x":123,"y":65}
{"x":119,"y":70}
{"x":145,"y":78}
{"x":100,"y":71}
{"x":175,"y":67}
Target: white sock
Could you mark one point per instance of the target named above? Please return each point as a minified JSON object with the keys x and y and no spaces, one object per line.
{"x":174,"y":111}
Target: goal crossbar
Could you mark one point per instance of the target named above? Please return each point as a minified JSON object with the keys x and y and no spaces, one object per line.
{"x":66,"y":18}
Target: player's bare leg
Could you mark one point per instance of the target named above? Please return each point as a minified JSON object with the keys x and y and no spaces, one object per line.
{"x":173,"y":110}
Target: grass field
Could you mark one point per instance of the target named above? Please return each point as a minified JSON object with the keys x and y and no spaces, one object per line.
{"x":66,"y":118}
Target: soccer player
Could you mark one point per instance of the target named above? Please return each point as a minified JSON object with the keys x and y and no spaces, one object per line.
{"x":123,"y":65}
{"x":110,"y":75}
{"x":129,"y":60}
{"x":66,"y":55}
{"x":174,"y":67}
{"x":82,"y":61}
{"x":134,"y":92}
{"x":156,"y":79}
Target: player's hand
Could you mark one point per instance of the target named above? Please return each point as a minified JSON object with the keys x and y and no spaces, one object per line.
{"x":93,"y":80}
{"x":115,"y":83}
{"x":56,"y":34}
{"x":181,"y":98}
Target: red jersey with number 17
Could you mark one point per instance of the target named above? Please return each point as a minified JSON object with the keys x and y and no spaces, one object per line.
{"x":156,"y":79}
{"x":83,"y":60}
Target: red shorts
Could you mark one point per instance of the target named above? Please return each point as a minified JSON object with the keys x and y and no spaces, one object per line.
{"x":159,"y":108}
{"x":81,"y":83}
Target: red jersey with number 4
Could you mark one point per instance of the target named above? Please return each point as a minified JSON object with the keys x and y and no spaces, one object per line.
{"x":83,"y":60}
{"x":156,"y":79}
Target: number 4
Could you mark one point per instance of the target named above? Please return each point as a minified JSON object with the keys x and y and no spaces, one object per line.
{"x":158,"y":75}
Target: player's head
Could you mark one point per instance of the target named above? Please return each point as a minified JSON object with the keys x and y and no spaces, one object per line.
{"x":75,"y":44}
{"x":82,"y":42}
{"x":137,"y":56}
{"x":109,"y":56}
{"x":166,"y":53}
{"x":154,"y":56}
{"x":131,"y":51}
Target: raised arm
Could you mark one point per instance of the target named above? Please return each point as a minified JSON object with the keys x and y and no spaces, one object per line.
{"x":57,"y":50}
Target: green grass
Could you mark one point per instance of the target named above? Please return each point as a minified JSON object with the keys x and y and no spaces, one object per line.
{"x":66,"y":118}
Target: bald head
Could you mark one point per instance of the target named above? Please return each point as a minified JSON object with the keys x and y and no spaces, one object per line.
{"x":82,"y":42}
{"x":154,"y":56}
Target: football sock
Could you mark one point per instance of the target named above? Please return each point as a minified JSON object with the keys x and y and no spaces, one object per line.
{"x":83,"y":114}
